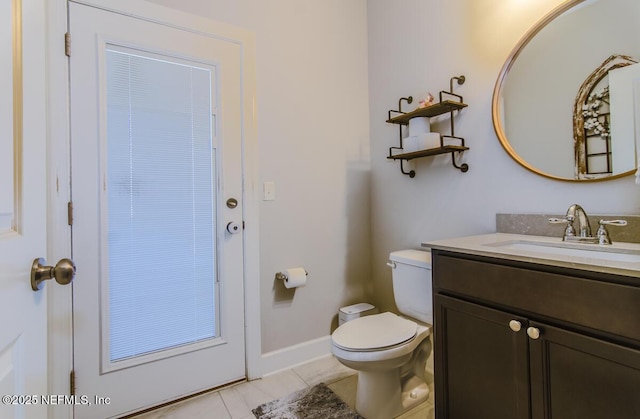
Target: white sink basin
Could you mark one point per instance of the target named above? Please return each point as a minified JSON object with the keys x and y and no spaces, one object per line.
{"x":586,"y":251}
{"x":619,"y":258}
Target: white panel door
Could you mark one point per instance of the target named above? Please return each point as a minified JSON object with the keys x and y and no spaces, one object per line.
{"x":23,"y":192}
{"x":156,"y":134}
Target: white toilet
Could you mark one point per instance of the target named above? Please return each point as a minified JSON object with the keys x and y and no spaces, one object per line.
{"x":389,"y":351}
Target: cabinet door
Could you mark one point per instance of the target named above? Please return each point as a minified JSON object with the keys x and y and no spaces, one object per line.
{"x":481,"y":364}
{"x":578,"y":377}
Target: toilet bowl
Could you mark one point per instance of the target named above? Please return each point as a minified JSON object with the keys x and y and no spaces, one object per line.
{"x":391,"y":366}
{"x":390,"y":351}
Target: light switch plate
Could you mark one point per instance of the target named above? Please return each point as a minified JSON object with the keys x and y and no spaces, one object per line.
{"x":269,"y":191}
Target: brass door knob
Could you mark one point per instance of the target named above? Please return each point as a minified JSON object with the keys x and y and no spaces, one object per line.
{"x":63,"y":272}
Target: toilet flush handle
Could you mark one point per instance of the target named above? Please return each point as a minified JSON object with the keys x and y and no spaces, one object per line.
{"x":392,"y":265}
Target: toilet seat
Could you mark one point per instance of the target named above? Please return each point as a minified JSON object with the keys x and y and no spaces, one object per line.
{"x":374,"y":333}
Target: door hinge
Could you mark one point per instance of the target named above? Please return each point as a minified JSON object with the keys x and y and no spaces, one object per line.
{"x":72,"y":383}
{"x":70,"y":213}
{"x":67,"y":44}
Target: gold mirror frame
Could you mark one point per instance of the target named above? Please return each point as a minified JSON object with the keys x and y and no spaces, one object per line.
{"x":497,"y":93}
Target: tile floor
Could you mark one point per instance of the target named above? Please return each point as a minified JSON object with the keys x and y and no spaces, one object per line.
{"x":236,"y":401}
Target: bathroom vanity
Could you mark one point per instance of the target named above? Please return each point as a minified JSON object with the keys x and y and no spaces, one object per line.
{"x":523,"y":333}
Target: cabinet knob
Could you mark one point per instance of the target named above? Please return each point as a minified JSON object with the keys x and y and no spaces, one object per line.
{"x":533,"y":332}
{"x":515,"y":325}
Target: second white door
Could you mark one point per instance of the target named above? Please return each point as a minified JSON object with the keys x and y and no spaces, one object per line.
{"x":156,"y":128}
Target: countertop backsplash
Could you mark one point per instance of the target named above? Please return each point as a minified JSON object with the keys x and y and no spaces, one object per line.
{"x":538,"y":225}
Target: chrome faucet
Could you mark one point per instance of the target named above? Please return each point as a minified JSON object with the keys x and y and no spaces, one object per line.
{"x":583,"y":235}
{"x":584,"y":229}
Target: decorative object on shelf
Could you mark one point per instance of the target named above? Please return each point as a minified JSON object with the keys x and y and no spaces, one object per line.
{"x":425,"y":143}
{"x":428,"y":101}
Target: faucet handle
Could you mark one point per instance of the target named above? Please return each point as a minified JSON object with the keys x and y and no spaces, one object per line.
{"x":603,"y":233}
{"x":613,"y":222}
{"x":569,"y":230}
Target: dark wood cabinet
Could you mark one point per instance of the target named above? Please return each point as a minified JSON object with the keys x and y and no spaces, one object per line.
{"x":574,"y":376}
{"x":481,"y":366}
{"x":515,"y":341}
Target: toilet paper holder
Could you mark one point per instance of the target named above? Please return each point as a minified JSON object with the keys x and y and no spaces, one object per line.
{"x":283,"y":277}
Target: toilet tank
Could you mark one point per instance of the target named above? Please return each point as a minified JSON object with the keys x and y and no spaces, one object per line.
{"x":411,"y":273}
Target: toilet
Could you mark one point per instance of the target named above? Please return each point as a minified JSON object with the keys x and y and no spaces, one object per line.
{"x":390,"y":351}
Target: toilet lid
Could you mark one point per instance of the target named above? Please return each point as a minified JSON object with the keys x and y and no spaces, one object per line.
{"x":374,"y":332}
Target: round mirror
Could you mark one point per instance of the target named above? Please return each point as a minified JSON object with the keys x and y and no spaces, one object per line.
{"x":563,"y":104}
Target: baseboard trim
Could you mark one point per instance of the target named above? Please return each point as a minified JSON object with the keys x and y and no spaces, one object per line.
{"x":291,"y":356}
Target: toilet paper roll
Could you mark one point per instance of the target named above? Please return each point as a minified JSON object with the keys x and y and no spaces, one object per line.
{"x":428,"y":140}
{"x":296,"y":277}
{"x":419,"y":126}
{"x":410,"y":144}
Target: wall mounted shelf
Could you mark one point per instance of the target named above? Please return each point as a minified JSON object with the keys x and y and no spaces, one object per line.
{"x":440,"y":108}
{"x":429,"y":112}
{"x":429,"y":152}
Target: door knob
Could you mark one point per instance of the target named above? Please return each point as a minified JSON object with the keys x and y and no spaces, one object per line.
{"x":234,"y":228}
{"x":63,"y":272}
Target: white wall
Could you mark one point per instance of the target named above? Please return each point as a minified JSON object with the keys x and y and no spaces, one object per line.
{"x":415,"y":46}
{"x":312,"y":110}
{"x":321,"y":91}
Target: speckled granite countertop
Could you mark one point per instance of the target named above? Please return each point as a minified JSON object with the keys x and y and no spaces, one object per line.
{"x":547,"y":251}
